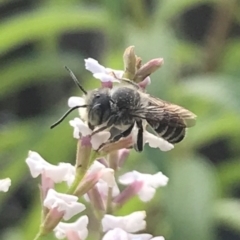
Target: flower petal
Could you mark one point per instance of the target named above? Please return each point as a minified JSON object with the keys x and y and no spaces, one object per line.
{"x":93,"y":66}
{"x":116,"y":234}
{"x":103,"y":187}
{"x":141,"y":236}
{"x":104,"y":77}
{"x":5,"y":184}
{"x":64,"y":203}
{"x":102,"y":73}
{"x":75,"y":101}
{"x":157,"y":142}
{"x":79,"y":227}
{"x":131,"y":223}
{"x":146,"y":193}
{"x":158,"y":180}
{"x":150,"y":183}
{"x":108,"y":177}
{"x":127,"y":178}
{"x":99,"y":138}
{"x":37,"y":165}
{"x":79,"y":127}
{"x":117,"y":73}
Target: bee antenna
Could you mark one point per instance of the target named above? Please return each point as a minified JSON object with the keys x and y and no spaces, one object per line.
{"x":75,"y":80}
{"x":65,"y":115}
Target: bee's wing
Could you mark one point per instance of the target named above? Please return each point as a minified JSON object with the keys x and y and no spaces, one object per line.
{"x":174,"y":115}
{"x":169,"y":120}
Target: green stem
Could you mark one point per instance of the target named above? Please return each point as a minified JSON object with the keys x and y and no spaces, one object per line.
{"x":109,"y":201}
{"x":82,"y":164}
{"x":112,"y":161}
{"x":37,"y":236}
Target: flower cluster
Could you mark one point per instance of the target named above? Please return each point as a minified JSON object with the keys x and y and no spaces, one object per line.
{"x":94,"y":179}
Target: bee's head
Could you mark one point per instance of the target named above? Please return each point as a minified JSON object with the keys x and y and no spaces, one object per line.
{"x":99,"y":106}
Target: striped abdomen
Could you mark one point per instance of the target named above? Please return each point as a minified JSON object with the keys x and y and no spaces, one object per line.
{"x":170,"y":133}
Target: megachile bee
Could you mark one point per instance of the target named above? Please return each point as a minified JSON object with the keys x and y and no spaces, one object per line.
{"x":126,"y":106}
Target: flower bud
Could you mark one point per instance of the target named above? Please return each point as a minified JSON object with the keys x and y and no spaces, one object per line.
{"x":129,"y":192}
{"x":147,"y":69}
{"x":92,"y":178}
{"x":129,"y":60}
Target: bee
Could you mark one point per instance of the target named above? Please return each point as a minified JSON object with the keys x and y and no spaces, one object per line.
{"x":123,"y":107}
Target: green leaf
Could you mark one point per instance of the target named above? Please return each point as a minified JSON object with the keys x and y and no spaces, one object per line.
{"x":46,"y":22}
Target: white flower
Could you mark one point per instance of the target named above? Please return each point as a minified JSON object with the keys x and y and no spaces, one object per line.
{"x":63,"y":203}
{"x":5,"y":184}
{"x":79,"y":228}
{"x":104,"y":77}
{"x":142,"y":236}
{"x":150,"y":183}
{"x":119,"y":234}
{"x":152,"y":140}
{"x":75,"y":101}
{"x":102,"y":73}
{"x":107,"y":175}
{"x":105,"y":180}
{"x":131,"y":223}
{"x":62,"y":172}
{"x":103,"y":188}
{"x":81,"y":129}
{"x":116,"y":234}
{"x":78,"y":101}
{"x":156,"y":142}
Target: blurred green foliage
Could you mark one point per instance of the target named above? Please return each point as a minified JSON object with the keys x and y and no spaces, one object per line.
{"x":201,"y":72}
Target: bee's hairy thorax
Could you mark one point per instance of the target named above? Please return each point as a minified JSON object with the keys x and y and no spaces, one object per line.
{"x":127,"y":102}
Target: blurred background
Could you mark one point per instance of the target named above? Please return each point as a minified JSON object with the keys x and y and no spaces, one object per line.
{"x":199,"y":41}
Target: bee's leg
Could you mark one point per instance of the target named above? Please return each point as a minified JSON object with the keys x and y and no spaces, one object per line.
{"x":108,"y":126}
{"x":138,"y":146}
{"x":100,"y":130}
{"x":118,"y":136}
{"x":122,"y":134}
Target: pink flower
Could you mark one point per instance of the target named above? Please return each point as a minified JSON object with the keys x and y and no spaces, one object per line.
{"x":95,"y":174}
{"x":81,"y":129}
{"x":105,"y":179}
{"x":74,"y":231}
{"x":150,"y":183}
{"x":100,"y":72}
{"x":63,"y":172}
{"x":65,"y":203}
